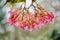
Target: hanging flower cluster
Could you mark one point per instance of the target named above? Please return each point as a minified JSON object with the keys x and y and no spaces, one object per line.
{"x":23,"y":18}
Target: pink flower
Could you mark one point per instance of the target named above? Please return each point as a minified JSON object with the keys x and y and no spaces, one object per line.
{"x":29,"y":21}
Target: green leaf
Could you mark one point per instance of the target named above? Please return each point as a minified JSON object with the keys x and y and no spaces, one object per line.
{"x":15,"y":1}
{"x":12,"y":3}
{"x":18,"y":0}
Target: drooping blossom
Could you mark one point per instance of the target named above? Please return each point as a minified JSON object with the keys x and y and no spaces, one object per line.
{"x":25,"y":20}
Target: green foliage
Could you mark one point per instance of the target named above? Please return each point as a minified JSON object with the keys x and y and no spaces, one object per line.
{"x":12,"y":3}
{"x":0,"y":0}
{"x":1,"y":15}
{"x":15,"y":0}
{"x":58,"y":38}
{"x":55,"y":35}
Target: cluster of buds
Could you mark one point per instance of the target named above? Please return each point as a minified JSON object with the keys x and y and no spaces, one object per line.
{"x":26,"y":20}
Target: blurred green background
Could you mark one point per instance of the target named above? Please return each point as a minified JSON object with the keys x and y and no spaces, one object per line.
{"x":50,"y":31}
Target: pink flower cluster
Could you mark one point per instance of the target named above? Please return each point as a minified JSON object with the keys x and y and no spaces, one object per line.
{"x":29,"y":21}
